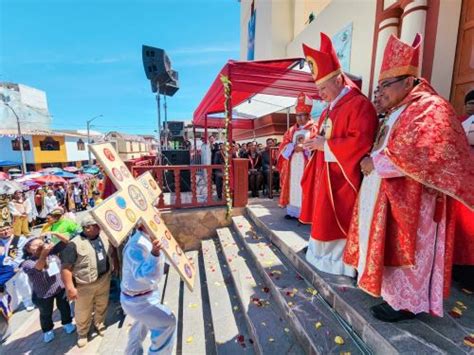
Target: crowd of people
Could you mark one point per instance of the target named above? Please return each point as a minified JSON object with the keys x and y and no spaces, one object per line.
{"x":388,"y":188}
{"x":261,"y":161}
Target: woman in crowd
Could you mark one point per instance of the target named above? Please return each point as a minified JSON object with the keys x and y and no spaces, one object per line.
{"x":43,"y":271}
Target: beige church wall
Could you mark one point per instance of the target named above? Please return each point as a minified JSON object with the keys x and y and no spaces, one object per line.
{"x":331,"y":20}
{"x":445,"y":48}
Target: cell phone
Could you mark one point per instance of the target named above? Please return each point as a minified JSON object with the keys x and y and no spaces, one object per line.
{"x":47,"y":239}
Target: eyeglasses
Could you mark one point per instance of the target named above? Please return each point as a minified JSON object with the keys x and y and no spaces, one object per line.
{"x":387,"y":84}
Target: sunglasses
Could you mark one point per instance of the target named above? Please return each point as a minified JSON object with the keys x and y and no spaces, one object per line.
{"x":387,"y":84}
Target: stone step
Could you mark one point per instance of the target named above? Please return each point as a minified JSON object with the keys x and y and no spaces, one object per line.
{"x":197,"y":333}
{"x":310,"y":317}
{"x":230,"y":331}
{"x":425,"y":334}
{"x":268,"y":330}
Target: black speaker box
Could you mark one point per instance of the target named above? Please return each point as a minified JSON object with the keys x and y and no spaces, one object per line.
{"x":155,"y":62}
{"x":177,"y":157}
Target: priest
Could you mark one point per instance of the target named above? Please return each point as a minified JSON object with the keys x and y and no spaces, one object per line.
{"x":292,"y":157}
{"x":401,"y":236}
{"x":464,"y":225}
{"x":344,"y":135}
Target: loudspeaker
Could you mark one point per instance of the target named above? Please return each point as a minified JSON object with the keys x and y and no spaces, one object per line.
{"x":168,"y":89}
{"x":176,"y":128}
{"x":155,"y":62}
{"x":177,"y":157}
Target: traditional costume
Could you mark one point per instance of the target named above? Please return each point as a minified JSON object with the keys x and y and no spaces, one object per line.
{"x":140,"y":298}
{"x":291,"y":164}
{"x":332,"y":177}
{"x":401,"y":235}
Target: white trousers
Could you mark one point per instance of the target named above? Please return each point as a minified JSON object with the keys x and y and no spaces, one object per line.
{"x":19,"y":288}
{"x":149,"y":314}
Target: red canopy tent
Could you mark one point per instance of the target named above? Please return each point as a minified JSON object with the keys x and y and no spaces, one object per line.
{"x":269,"y":77}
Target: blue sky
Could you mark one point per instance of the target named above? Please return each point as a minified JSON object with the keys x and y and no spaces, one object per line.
{"x":86,"y":55}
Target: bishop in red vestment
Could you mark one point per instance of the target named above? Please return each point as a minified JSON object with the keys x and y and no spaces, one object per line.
{"x":464,"y":218}
{"x":401,"y":236}
{"x":292,"y":157}
{"x":344,"y":135}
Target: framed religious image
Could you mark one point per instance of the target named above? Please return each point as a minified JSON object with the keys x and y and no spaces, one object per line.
{"x":300,"y":136}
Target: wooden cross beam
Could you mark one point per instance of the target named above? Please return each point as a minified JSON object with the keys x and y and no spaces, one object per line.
{"x":133,"y":204}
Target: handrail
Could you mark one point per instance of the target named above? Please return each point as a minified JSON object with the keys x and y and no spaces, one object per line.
{"x":174,"y":187}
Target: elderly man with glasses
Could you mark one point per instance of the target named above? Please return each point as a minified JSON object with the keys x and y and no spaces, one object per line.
{"x":400,"y":238}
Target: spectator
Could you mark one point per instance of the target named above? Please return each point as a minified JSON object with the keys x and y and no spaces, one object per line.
{"x":20,"y":208}
{"x":269,"y":161}
{"x":60,"y":195}
{"x":77,"y":197}
{"x":255,"y":169}
{"x":97,"y":200}
{"x":86,"y":273}
{"x":43,"y":271}
{"x":218,"y":173}
{"x":59,"y":229}
{"x":50,"y":202}
{"x":213,"y":146}
{"x":14,"y":285}
{"x":6,"y":273}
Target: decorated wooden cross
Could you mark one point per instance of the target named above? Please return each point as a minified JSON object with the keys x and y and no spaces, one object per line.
{"x":133,"y":204}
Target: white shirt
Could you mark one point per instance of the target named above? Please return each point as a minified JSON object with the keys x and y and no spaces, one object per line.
{"x":328,"y":155}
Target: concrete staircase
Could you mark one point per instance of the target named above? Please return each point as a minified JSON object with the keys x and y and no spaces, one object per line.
{"x":255,"y":293}
{"x":424,"y":335}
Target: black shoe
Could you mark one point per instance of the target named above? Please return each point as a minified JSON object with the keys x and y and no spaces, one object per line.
{"x":289,"y":217}
{"x":386,"y":313}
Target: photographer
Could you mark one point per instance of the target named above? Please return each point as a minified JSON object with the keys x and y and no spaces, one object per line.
{"x":43,"y":271}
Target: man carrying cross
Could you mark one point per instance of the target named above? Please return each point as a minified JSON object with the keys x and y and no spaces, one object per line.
{"x":130,"y":207}
{"x":143,"y":265}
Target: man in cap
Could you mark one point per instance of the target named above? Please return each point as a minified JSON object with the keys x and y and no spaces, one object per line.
{"x":401,"y":240}
{"x":292,"y":157}
{"x":86,"y":272}
{"x":345,"y":133}
{"x":143,"y":266}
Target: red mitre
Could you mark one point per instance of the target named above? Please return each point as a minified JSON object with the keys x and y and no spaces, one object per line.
{"x":304,"y":103}
{"x":324,"y":63}
{"x":400,"y":58}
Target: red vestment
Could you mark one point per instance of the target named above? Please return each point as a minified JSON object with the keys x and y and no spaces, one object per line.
{"x":330,"y":188}
{"x":284,"y":166}
{"x":463,"y":229}
{"x":428,"y":145}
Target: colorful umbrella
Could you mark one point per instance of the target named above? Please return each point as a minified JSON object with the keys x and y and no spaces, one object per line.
{"x":48,"y":171}
{"x":50,"y":179}
{"x":65,"y":174}
{"x":29,"y":176}
{"x":30,"y":184}
{"x":71,"y":169}
{"x":91,"y":169}
{"x":9,"y":187}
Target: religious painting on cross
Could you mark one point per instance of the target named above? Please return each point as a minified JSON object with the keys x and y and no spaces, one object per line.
{"x":132,"y":205}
